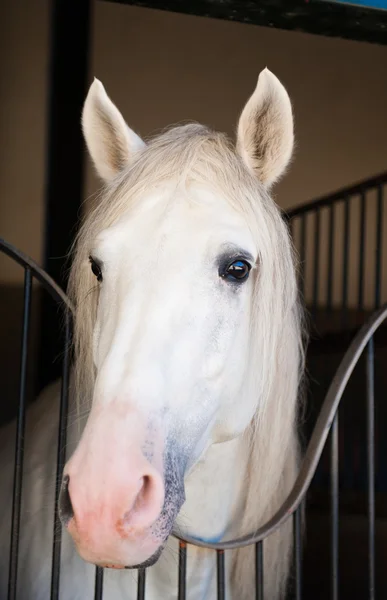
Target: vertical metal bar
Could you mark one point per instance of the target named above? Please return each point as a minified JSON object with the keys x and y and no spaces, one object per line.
{"x":362,"y":225}
{"x":259,"y":571}
{"x":303,"y":254}
{"x":316,"y":262}
{"x":371,"y":467}
{"x":335,"y":508}
{"x":182,"y":570}
{"x":378,"y":260}
{"x":98,"y":586}
{"x":19,"y":450}
{"x":61,"y":457}
{"x":330,"y":256}
{"x":67,"y":88}
{"x":298,"y":551}
{"x":345,"y":261}
{"x":141,"y":584}
{"x":220,"y":574}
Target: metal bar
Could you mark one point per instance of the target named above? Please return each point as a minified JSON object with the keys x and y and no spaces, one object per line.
{"x":27,"y":263}
{"x":316,"y":262}
{"x":345,"y":261}
{"x":316,"y":445}
{"x":362,"y":224}
{"x":371,"y":467}
{"x":19,"y":450}
{"x":220,"y":575}
{"x":378,"y":262}
{"x":182,"y":570}
{"x":335,"y":508}
{"x":98,"y":586}
{"x":141,"y":584}
{"x":352,"y":190}
{"x":61,"y":457}
{"x":259,"y":571}
{"x":330,"y":257}
{"x":68,"y":82}
{"x":298,"y":551}
{"x":303,"y":254}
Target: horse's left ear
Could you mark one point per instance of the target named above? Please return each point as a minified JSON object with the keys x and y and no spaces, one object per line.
{"x":265,"y":131}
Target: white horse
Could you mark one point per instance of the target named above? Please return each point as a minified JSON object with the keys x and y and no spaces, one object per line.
{"x":188,"y":358}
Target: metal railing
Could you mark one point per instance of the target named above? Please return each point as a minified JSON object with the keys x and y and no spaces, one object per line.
{"x":341,"y":240}
{"x":327,"y":423}
{"x":32,"y":270}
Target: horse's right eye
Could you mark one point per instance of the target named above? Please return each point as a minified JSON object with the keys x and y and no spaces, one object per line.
{"x":96,"y":268}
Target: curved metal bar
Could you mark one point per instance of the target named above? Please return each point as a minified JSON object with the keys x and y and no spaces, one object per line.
{"x":315,"y":446}
{"x":25,"y":261}
{"x":320,"y":431}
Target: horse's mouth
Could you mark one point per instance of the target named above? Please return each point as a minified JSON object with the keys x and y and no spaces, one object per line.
{"x":150,"y":561}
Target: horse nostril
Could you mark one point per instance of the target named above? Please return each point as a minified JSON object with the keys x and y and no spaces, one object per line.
{"x":65,"y":507}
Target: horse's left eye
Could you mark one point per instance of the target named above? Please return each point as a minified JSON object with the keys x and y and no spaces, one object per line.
{"x":237,"y":271}
{"x":95,"y":267}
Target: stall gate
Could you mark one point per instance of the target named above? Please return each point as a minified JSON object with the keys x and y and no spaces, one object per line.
{"x":318,"y":250}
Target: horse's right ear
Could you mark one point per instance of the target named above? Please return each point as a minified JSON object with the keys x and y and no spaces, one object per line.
{"x":111,"y":143}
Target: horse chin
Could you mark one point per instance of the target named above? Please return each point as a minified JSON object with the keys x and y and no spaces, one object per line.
{"x":149,"y":562}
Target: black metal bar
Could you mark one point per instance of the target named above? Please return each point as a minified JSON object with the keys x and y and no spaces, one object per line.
{"x":297,"y":551}
{"x":19,"y":449}
{"x":259,"y":571}
{"x":68,"y":75}
{"x":378,"y":262}
{"x":371,"y":467}
{"x":303,"y":254}
{"x":345,"y":274}
{"x":352,"y":190}
{"x":316,"y":262}
{"x":61,"y":456}
{"x":26,"y":262}
{"x":330,"y":256}
{"x":362,"y":225}
{"x":182,"y":570}
{"x":335,"y":508}
{"x":320,"y":433}
{"x":221,"y":590}
{"x":141,"y":584}
{"x":98,"y":586}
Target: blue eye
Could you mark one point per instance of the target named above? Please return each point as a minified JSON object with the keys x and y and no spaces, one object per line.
{"x":237,"y":271}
